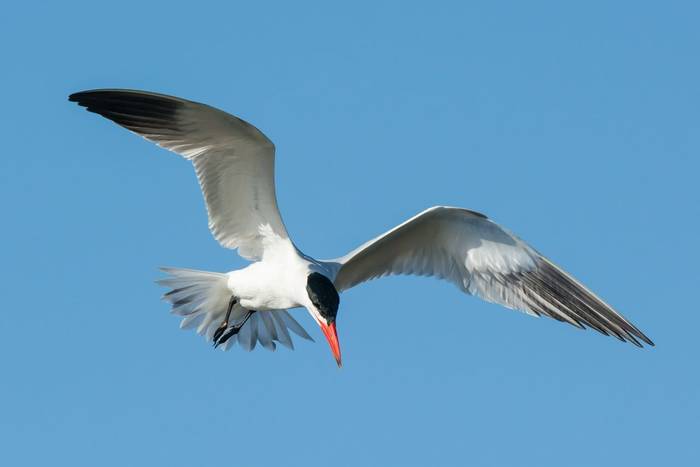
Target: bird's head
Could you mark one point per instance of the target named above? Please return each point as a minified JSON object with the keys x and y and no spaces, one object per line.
{"x":324,"y":308}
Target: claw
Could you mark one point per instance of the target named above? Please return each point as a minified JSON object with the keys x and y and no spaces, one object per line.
{"x":219,"y":331}
{"x":220,"y":337}
{"x":231,"y":332}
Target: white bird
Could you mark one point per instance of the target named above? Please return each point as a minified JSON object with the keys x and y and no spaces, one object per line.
{"x":234,"y":162}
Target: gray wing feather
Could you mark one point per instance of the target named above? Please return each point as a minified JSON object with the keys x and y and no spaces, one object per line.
{"x":482,"y":259}
{"x":233,"y":160}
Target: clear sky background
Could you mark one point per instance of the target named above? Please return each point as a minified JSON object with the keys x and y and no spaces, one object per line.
{"x":575,"y":126}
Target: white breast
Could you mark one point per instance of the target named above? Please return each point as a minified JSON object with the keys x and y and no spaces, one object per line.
{"x":271,"y":285}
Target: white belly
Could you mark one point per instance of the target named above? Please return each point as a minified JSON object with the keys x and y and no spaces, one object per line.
{"x":262,"y":286}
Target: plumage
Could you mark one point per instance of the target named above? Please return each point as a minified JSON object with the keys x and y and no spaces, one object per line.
{"x":234,"y":163}
{"x":200,"y":297}
{"x":233,"y":160}
{"x":482,"y":259}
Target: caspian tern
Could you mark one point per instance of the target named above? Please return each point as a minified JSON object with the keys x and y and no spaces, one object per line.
{"x":234,"y":162}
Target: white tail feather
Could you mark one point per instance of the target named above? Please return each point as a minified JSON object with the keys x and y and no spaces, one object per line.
{"x":202,"y":298}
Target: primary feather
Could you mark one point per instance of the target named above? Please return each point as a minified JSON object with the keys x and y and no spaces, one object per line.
{"x":482,"y":259}
{"x":233,"y":160}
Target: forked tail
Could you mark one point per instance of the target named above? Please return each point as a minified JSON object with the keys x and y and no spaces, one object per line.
{"x":202,"y":298}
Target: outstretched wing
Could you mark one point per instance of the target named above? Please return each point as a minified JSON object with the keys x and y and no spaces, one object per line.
{"x":482,"y":259}
{"x":233,"y":160}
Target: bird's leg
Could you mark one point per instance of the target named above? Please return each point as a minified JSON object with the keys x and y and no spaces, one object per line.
{"x":220,"y":330}
{"x":233,"y":330}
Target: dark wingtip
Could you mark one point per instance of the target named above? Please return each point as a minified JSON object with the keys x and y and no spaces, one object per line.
{"x":139,"y":111}
{"x":643,"y":337}
{"x":647,"y":341}
{"x":79,"y":96}
{"x":633,"y":334}
{"x":633,"y":340}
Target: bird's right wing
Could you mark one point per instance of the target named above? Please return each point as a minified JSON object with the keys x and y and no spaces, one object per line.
{"x":482,"y":259}
{"x":234,"y":161}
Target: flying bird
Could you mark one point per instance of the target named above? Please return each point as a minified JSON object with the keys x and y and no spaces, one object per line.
{"x":234,"y":163}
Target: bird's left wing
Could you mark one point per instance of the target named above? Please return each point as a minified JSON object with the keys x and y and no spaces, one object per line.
{"x":482,"y":259}
{"x":234,"y":161}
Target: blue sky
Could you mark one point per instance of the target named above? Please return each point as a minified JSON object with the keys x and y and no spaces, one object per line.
{"x":575,"y":126}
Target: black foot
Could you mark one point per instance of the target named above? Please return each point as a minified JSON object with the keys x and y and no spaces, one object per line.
{"x":224,"y":324}
{"x":225,"y":337}
{"x":219,"y":331}
{"x":220,"y":337}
